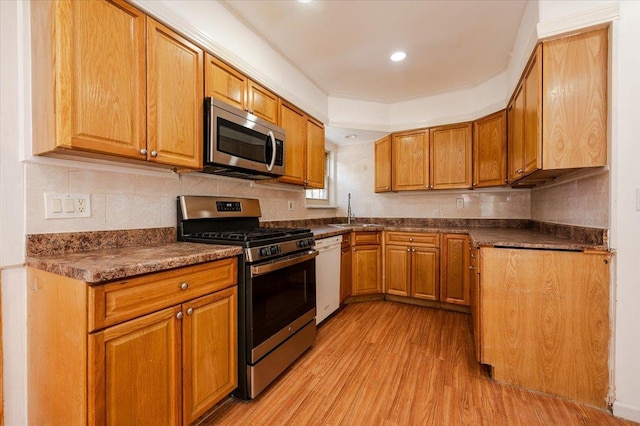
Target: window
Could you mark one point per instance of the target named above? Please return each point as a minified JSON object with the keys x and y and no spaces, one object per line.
{"x":322,"y":197}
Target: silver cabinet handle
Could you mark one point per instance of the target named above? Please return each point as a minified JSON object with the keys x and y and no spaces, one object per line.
{"x":408,"y":250}
{"x":472,"y":267}
{"x":143,"y":151}
{"x":184,"y":286}
{"x":179,"y":315}
{"x":154,"y":153}
{"x":189,"y":311}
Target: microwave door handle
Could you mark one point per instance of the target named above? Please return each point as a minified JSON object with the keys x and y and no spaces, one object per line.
{"x":273,"y":151}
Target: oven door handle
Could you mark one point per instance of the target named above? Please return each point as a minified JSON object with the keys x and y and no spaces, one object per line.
{"x":257,"y":270}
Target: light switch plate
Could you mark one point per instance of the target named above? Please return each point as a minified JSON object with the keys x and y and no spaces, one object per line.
{"x":638,"y":199}
{"x":460,"y":203}
{"x":65,"y":206}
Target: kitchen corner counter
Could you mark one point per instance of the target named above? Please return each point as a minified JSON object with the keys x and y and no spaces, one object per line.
{"x":527,"y":238}
{"x":480,"y":236}
{"x":103,"y":265}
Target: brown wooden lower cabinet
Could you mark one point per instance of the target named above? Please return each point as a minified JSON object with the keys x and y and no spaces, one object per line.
{"x":366,"y":264}
{"x":454,"y":284}
{"x":544,"y":319}
{"x":156,"y":349}
{"x":421,"y":266}
{"x":412,"y":265}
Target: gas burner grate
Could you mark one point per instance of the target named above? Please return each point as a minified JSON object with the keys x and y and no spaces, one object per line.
{"x":253,"y":234}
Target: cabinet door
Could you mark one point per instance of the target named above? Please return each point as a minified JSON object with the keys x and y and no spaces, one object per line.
{"x":515,"y":139}
{"x":410,"y":161}
{"x":294,"y":122}
{"x":345,"y":273}
{"x":224,"y":83}
{"x":210,"y":355}
{"x":174,"y":98}
{"x":454,"y":284}
{"x":489,"y":148}
{"x":575,"y":121}
{"x":383,"y":164}
{"x":96,"y":68}
{"x":367,"y":271}
{"x":135,"y":374}
{"x":398,"y":270}
{"x":545,"y":320}
{"x":425,"y":281}
{"x":315,"y":155}
{"x":262,"y":103}
{"x":450,"y":156}
{"x":533,"y":114}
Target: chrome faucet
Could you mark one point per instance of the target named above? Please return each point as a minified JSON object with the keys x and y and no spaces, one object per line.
{"x":349,"y":212}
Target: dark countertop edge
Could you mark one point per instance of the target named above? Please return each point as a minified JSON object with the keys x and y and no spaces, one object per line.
{"x":551,"y":242}
{"x":76,"y":266}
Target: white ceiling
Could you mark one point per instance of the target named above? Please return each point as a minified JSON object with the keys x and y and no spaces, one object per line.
{"x":344,"y":45}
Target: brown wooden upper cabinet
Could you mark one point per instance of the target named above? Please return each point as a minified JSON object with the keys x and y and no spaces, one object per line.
{"x":304,"y":158}
{"x":108,"y":89}
{"x":229,"y":85}
{"x":410,"y":160}
{"x":383,"y":164}
{"x":557,"y":117}
{"x":489,"y":156}
{"x":451,"y":156}
{"x":174,"y":98}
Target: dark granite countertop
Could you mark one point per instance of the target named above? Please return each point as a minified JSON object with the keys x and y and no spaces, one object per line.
{"x":109,"y":264}
{"x":480,"y":236}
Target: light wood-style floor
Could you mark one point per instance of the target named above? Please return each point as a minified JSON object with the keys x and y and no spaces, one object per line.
{"x":387,"y":363}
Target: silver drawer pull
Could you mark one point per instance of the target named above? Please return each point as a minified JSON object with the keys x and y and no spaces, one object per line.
{"x":184,"y":286}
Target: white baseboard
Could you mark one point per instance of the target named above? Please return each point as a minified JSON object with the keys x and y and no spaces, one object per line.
{"x":626,"y":411}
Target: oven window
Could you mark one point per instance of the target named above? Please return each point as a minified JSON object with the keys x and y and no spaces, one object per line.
{"x":280,"y":297}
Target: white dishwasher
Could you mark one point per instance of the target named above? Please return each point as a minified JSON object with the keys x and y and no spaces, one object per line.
{"x":327,"y":277}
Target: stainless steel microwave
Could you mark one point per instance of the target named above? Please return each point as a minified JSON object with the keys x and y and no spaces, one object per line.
{"x":239,"y":144}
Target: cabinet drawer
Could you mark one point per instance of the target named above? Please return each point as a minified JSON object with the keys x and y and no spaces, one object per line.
{"x":408,"y":238}
{"x":364,"y":238}
{"x":122,"y":300}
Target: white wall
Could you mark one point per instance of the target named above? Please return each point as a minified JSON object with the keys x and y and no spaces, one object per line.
{"x":625,"y":215}
{"x":14,"y":133}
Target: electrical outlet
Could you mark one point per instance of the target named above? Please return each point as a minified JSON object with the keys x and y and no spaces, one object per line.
{"x":460,"y":203}
{"x":65,"y":206}
{"x":292,"y":205}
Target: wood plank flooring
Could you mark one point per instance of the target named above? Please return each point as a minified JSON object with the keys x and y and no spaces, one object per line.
{"x":387,"y":363}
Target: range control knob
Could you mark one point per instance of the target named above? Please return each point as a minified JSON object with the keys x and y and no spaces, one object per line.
{"x":264,"y":251}
{"x":305,"y":243}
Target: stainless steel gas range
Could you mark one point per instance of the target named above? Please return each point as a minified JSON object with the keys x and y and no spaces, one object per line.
{"x":277,"y":284}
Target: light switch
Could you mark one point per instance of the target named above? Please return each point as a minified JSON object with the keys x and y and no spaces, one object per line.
{"x":68,"y":205}
{"x":56,"y":205}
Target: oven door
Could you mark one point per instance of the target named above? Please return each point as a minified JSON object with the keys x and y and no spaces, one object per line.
{"x":280,"y":300}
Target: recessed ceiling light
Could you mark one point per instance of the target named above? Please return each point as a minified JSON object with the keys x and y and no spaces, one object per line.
{"x":351,"y":136}
{"x":398,"y":56}
{"x":304,"y":1}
